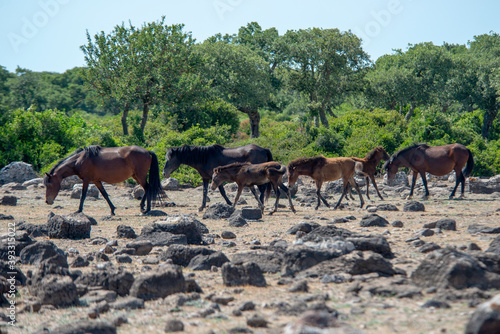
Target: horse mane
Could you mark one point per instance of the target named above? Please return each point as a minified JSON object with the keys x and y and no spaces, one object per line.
{"x":192,"y":154}
{"x":63,"y":160}
{"x":234,"y":165}
{"x":406,"y":149}
{"x":370,"y":155}
{"x":319,"y":160}
{"x":90,"y":151}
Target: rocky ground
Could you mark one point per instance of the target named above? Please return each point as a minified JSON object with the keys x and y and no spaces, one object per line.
{"x":379,"y":269}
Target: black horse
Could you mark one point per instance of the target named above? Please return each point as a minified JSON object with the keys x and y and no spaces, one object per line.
{"x":205,"y":158}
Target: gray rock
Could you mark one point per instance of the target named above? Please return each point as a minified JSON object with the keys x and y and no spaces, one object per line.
{"x":181,"y":255}
{"x":142,"y":247}
{"x":124,"y":231}
{"x":73,"y":226}
{"x":92,"y":191}
{"x":37,"y":252}
{"x":443,"y":224}
{"x":85,"y":326}
{"x":151,"y":285}
{"x":413,"y":206}
{"x":373,"y":220}
{"x":127,"y":303}
{"x":170,"y":184}
{"x":218,"y":211}
{"x":8,"y":200}
{"x":174,"y":325}
{"x":17,"y":171}
{"x":243,"y":274}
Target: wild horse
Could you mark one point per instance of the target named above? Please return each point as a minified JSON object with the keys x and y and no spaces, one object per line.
{"x":250,"y":175}
{"x":205,"y":158}
{"x":437,"y":160}
{"x":108,"y":164}
{"x":369,"y":167}
{"x":323,"y":169}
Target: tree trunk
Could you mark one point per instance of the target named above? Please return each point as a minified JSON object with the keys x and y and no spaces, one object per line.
{"x":124,"y":119}
{"x":488,"y":118}
{"x":254,"y":117}
{"x":409,"y":114}
{"x":322,"y":117}
{"x":145,"y":112}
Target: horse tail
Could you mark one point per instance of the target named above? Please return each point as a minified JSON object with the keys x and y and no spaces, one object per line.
{"x":470,"y":164}
{"x":269,"y":188}
{"x":155,"y":190}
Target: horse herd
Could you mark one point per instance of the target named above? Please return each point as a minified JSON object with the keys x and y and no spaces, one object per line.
{"x":250,"y":166}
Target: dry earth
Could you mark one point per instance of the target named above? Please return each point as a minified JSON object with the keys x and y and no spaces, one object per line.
{"x":371,"y":314}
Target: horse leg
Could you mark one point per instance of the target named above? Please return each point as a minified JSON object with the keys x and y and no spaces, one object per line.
{"x":367,"y":181}
{"x":459,"y":179}
{"x":85,"y":186}
{"x":252,"y":189}
{"x":205,"y":191}
{"x":344,"y":192}
{"x":413,"y":180}
{"x":372,"y":177}
{"x":238,"y":194}
{"x":223,"y":193}
{"x":424,"y":181}
{"x":104,"y":194}
{"x":287,"y":191}
{"x":355,"y":185}
{"x":320,"y":198}
{"x":277,"y":192}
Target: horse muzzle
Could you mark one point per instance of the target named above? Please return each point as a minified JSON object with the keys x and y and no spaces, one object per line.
{"x":49,"y":201}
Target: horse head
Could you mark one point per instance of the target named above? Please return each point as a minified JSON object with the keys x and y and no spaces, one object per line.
{"x":391,"y":167}
{"x":172,"y":162}
{"x":384,"y":154}
{"x":52,"y":186}
{"x":216,"y":179}
{"x":293,"y":175}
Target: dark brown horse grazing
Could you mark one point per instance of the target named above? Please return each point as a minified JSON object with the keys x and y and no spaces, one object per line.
{"x":369,"y":167}
{"x":205,"y":158}
{"x":107,"y":164}
{"x":249,"y":175}
{"x":437,"y":160}
{"x":323,"y":169}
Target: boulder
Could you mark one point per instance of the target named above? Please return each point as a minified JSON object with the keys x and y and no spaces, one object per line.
{"x":37,"y":252}
{"x":448,"y":268}
{"x":152,"y":285}
{"x":413,"y":206}
{"x":206,"y":262}
{"x":181,"y":255}
{"x":17,"y":171}
{"x":118,"y":280}
{"x":92,"y":191}
{"x":243,"y":274}
{"x":218,"y":211}
{"x":124,"y":231}
{"x":373,"y":220}
{"x":9,"y":200}
{"x":170,"y":184}
{"x":494,"y":246}
{"x":488,"y":186}
{"x":73,"y":226}
{"x":186,"y":225}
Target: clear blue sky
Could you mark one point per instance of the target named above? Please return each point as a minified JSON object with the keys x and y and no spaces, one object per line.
{"x":45,"y":35}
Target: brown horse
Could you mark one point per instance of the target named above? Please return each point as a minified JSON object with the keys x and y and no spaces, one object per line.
{"x":323,"y":169}
{"x":437,"y":160}
{"x":107,"y":164}
{"x":250,"y":175}
{"x":205,"y":158}
{"x":369,"y":167}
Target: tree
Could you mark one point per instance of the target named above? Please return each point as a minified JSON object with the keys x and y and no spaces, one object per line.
{"x":238,"y":75}
{"x":485,"y":49}
{"x":325,"y":64}
{"x":146,"y":65}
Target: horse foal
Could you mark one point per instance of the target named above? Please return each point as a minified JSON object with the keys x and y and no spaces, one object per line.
{"x":249,"y":175}
{"x":322,"y":169}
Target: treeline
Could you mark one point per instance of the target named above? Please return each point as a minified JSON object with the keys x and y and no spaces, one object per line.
{"x":304,"y":92}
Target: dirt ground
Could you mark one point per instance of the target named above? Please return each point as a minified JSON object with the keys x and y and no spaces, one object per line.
{"x":367,"y":313}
